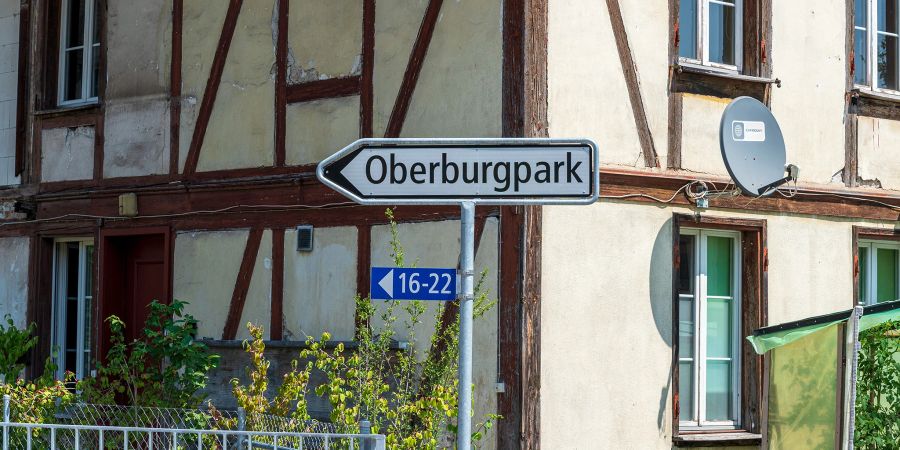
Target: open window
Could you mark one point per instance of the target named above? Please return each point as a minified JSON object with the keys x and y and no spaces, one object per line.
{"x":73,"y":288}
{"x":718,"y":299}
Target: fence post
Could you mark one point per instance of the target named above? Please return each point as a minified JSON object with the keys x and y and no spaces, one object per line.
{"x":365,"y":427}
{"x":6,"y":422}
{"x":242,"y":425}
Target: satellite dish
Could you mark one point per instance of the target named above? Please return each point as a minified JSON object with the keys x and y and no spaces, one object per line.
{"x":753,"y":147}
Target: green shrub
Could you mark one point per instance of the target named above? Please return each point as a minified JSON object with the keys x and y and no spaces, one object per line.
{"x":164,"y":368}
{"x":14,"y":345}
{"x":878,"y":388}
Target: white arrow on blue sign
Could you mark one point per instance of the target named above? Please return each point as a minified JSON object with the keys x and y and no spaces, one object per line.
{"x":397,"y":283}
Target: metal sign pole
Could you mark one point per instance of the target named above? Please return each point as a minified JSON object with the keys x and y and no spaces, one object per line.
{"x":466,"y":308}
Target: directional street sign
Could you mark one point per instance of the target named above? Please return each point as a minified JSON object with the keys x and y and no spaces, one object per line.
{"x":448,"y":171}
{"x":395,"y":283}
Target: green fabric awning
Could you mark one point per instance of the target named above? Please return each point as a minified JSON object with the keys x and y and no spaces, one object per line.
{"x":768,"y":338}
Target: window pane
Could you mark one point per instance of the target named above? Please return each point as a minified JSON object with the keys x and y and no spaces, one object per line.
{"x":863,"y":274}
{"x":74,"y":64}
{"x":718,"y":266}
{"x":887,"y":16}
{"x":75,"y":24}
{"x":685,"y":328}
{"x":687,"y":29}
{"x":686,"y":264}
{"x":887,"y":61}
{"x":718,"y":391}
{"x":718,"y":328}
{"x":860,"y":54}
{"x":95,"y":70}
{"x":721,"y":33}
{"x":861,"y":13}
{"x":887,"y":289}
{"x":686,"y":391}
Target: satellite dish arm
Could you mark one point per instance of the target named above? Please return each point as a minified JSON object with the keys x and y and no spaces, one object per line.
{"x":793,"y":173}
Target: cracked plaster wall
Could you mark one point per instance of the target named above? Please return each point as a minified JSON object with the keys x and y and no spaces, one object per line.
{"x":14,"y":253}
{"x":879,"y":162}
{"x":67,"y":153}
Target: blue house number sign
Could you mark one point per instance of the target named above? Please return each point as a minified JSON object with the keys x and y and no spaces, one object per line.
{"x":395,"y":283}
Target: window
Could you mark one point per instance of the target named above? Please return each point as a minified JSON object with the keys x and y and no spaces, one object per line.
{"x":879,"y":271}
{"x":876,"y":25}
{"x":79,"y":53}
{"x":709,"y":329}
{"x":710,"y":33}
{"x":72,"y":293}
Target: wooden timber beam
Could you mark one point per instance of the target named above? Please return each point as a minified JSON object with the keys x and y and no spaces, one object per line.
{"x":319,"y":89}
{"x":242,"y":284}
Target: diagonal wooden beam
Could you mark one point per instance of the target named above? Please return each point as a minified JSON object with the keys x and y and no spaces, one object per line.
{"x":242,"y":284}
{"x":629,"y":69}
{"x":212,"y":86}
{"x":413,"y":68}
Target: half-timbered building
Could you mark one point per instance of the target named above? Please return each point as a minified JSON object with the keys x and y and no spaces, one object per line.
{"x":162,"y":149}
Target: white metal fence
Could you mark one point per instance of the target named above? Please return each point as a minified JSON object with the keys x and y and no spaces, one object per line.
{"x":28,"y":436}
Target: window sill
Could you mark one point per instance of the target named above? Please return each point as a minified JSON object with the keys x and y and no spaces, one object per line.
{"x":717,"y":439}
{"x":694,"y":79}
{"x":86,"y":108}
{"x":881,"y":105}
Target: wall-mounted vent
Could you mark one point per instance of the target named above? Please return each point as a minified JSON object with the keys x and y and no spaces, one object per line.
{"x":304,"y":238}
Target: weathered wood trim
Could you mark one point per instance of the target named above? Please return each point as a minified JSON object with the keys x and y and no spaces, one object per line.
{"x":281,"y":50}
{"x":851,"y":150}
{"x":23,"y":92}
{"x":676,"y":112}
{"x":632,"y":83}
{"x":320,"y":89}
{"x":276,"y":323}
{"x":363,"y":265}
{"x":754,"y":315}
{"x":366,"y":83}
{"x":101,"y":92}
{"x":212,"y":86}
{"x":242,"y":284}
{"x":413,"y":68}
{"x":175,"y":87}
{"x":765,"y":33}
{"x":703,"y":82}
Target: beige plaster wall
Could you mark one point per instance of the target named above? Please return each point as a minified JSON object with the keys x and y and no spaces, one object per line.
{"x":609,"y":315}
{"x":258,"y":304}
{"x":700,"y":134}
{"x":436,"y":244}
{"x":316,"y":130}
{"x":67,"y":153}
{"x":581,"y":51}
{"x":320,"y":286}
{"x":14,"y":254}
{"x":136,"y":137}
{"x":877,"y":151}
{"x":9,"y":75}
{"x":138,"y":47}
{"x":241,"y":131}
{"x":458,"y":92}
{"x":811,"y":65}
{"x":324,"y":39}
{"x":208,"y":292}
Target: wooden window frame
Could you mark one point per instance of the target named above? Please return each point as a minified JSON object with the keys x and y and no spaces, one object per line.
{"x":753,"y":315}
{"x":87,"y":58}
{"x":702,"y":50}
{"x":751,"y":76}
{"x":865,"y":99}
{"x":865,"y":234}
{"x":58,"y":329}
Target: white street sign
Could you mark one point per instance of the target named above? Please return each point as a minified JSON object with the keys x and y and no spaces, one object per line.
{"x":448,"y":171}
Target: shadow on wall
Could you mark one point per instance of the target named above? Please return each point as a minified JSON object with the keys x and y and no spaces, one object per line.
{"x":659,"y":279}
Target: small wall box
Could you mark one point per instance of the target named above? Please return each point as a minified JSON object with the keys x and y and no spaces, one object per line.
{"x":304,"y":238}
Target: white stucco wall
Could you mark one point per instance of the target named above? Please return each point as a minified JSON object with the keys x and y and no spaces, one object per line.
{"x":14,"y":254}
{"x":609,"y":315}
{"x":9,"y":61}
{"x":67,"y":153}
{"x":879,"y":161}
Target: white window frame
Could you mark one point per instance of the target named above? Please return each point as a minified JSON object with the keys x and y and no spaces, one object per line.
{"x":702,"y":50}
{"x":60,"y":304}
{"x":871,"y":280}
{"x":871,"y":41}
{"x":700,"y":298}
{"x":87,"y":56}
